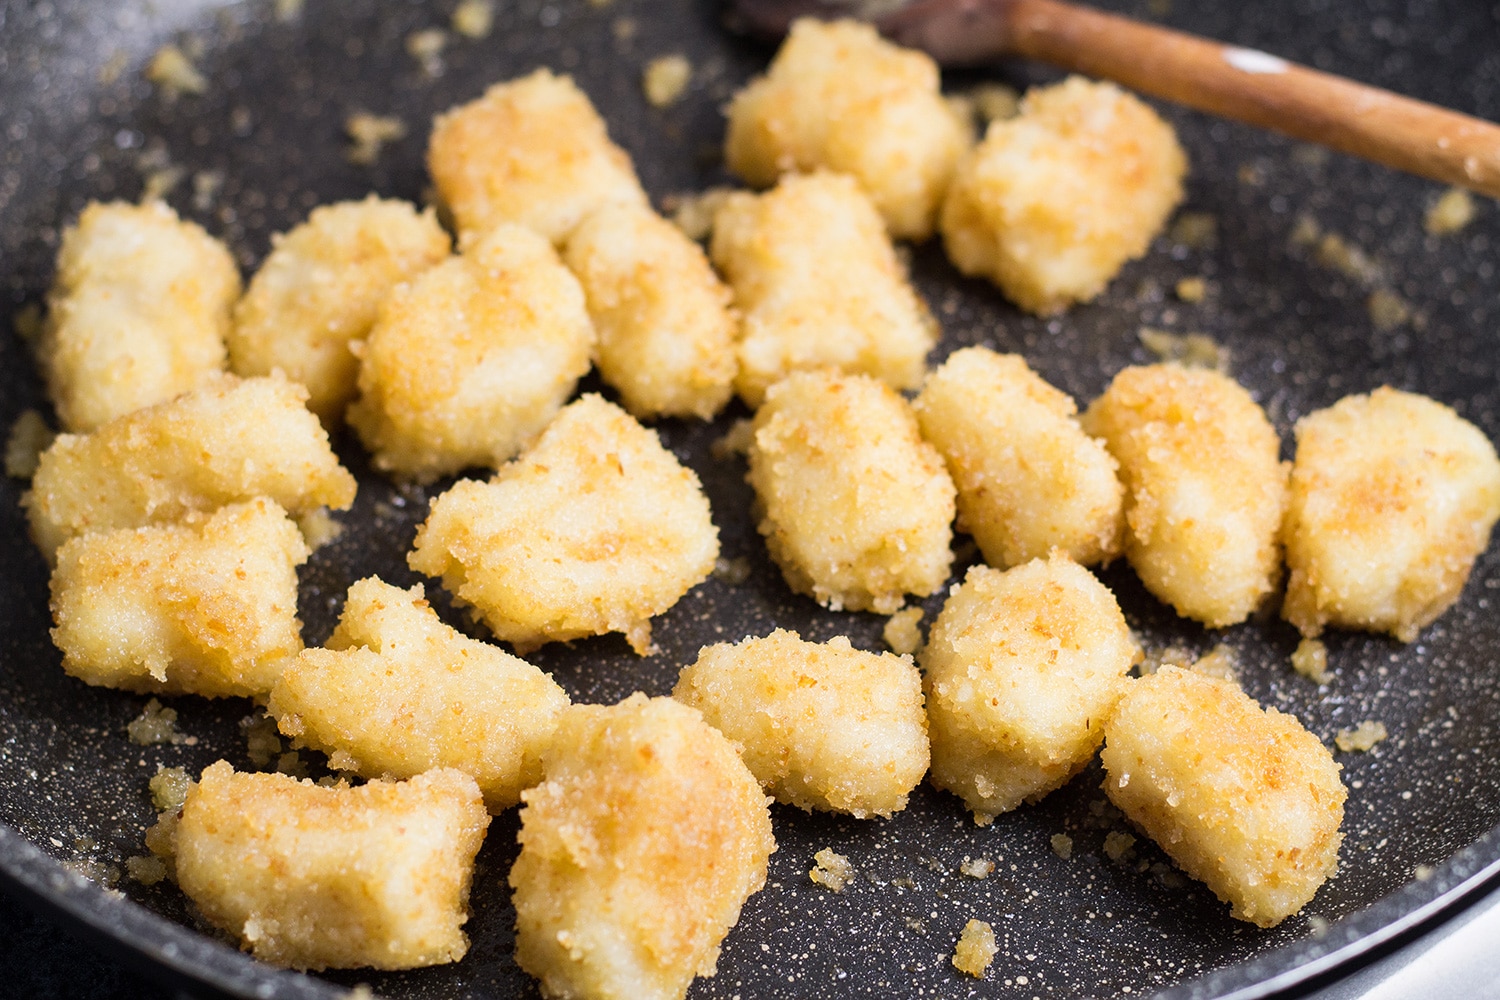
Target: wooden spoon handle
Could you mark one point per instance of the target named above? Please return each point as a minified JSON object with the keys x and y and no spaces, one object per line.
{"x":1261,"y":89}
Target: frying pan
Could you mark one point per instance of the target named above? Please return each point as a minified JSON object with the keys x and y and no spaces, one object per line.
{"x":266,"y":139}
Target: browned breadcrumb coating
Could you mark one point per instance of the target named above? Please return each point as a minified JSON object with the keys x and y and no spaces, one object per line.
{"x":1053,"y":202}
{"x":314,"y":878}
{"x":397,"y":692}
{"x":1393,"y":497}
{"x":1244,"y":799}
{"x":466,"y":364}
{"x":838,"y":96}
{"x":207,"y":606}
{"x":230,"y":441}
{"x":821,"y":725}
{"x":855,"y":507}
{"x":637,"y":852}
{"x":666,"y":332}
{"x":1204,"y":488}
{"x":596,"y":529}
{"x":531,"y":151}
{"x":137,"y":313}
{"x":320,"y":288}
{"x":1021,"y":669}
{"x":818,"y":284}
{"x":1029,"y":479}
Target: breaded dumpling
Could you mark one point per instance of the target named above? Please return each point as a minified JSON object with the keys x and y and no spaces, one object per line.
{"x":205,"y":606}
{"x":320,"y":288}
{"x":1204,"y":487}
{"x":531,"y":151}
{"x":397,"y":692}
{"x":1242,"y":798}
{"x":821,"y":725}
{"x":856,"y":508}
{"x":596,"y":529}
{"x":840,"y":97}
{"x":666,"y":332}
{"x":1393,"y":497}
{"x":137,"y":313}
{"x":1029,"y":479}
{"x":315,"y":878}
{"x":1021,"y":669}
{"x":1052,"y":203}
{"x":232,"y":440}
{"x":466,"y":364}
{"x":818,"y":284}
{"x":637,"y":852}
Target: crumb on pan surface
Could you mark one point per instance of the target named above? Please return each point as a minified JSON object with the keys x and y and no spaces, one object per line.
{"x":1393,"y":497}
{"x":818,"y":284}
{"x":902,"y":631}
{"x":321,"y":287}
{"x":855,"y":507}
{"x":313,"y":877}
{"x":468,"y":362}
{"x":975,"y":949}
{"x":666,"y":332}
{"x":831,"y":870}
{"x":230,"y":441}
{"x":1204,"y":487}
{"x":1029,"y":479}
{"x":1244,"y":799}
{"x":666,"y":78}
{"x":1052,"y":203}
{"x":137,"y":313}
{"x":596,"y":529}
{"x":839,"y":97}
{"x":1021,"y":670}
{"x":637,"y":852}
{"x":397,"y":692}
{"x":820,"y":725}
{"x":531,"y":151}
{"x":206,"y":606}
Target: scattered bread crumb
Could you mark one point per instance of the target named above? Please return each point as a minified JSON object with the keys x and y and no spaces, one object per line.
{"x":1062,"y":845}
{"x":1192,"y":289}
{"x":1306,"y":231}
{"x":624,"y":28}
{"x":29,"y":436}
{"x":155,"y":725}
{"x":1450,"y":213}
{"x":976,"y":949}
{"x":474,"y":18}
{"x":1167,"y":656}
{"x":262,"y":740}
{"x":1221,"y":662}
{"x":995,"y":102}
{"x":1195,"y":230}
{"x":145,"y":869}
{"x":1387,"y":309}
{"x":736,"y":440}
{"x":1310,"y":659}
{"x":666,"y":78}
{"x":901,"y":632}
{"x":1348,"y":259}
{"x":980,"y":868}
{"x":1361,"y":737}
{"x":732,"y":571}
{"x":206,"y":186}
{"x":289,"y":10}
{"x":426,"y":47}
{"x":174,"y":73}
{"x":169,"y":787}
{"x":1194,"y":350}
{"x":319,"y":528}
{"x":833,"y":870}
{"x":693,"y":212}
{"x":1118,"y":845}
{"x":368,"y":133}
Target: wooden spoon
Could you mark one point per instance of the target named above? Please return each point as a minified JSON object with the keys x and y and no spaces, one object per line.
{"x":1239,"y":83}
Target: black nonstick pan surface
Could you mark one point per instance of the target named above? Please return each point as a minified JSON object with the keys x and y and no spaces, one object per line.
{"x":265,"y":143}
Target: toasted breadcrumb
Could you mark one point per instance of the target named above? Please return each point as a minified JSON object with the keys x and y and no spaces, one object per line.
{"x":1191,"y":289}
{"x":1062,"y":845}
{"x":146,"y":869}
{"x":976,"y":868}
{"x":174,"y":73}
{"x":1310,"y":659}
{"x":169,"y":787}
{"x":29,"y":436}
{"x":831,"y":870}
{"x":1191,"y":350}
{"x":901,"y":631}
{"x":1450,"y":213}
{"x":1362,"y":737}
{"x":156,"y":725}
{"x":318,"y":528}
{"x":1221,"y":662}
{"x":976,"y":949}
{"x":694,"y":212}
{"x":368,"y":134}
{"x":426,"y":47}
{"x":666,"y":78}
{"x":474,"y":18}
{"x":1348,"y":259}
{"x":1195,"y":230}
{"x":1118,"y":846}
{"x":1387,"y":309}
{"x":994,"y":102}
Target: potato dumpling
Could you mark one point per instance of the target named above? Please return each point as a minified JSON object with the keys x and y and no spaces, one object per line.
{"x":1393,"y":497}
{"x":137,"y":313}
{"x":856,"y":508}
{"x":821,"y":725}
{"x":666,"y":332}
{"x":1021,"y":669}
{"x":230,"y":441}
{"x":206,"y":606}
{"x":466,"y":364}
{"x":1243,"y":799}
{"x":818,"y":284}
{"x":1052,"y":203}
{"x":1029,"y":479}
{"x":595,"y":529}
{"x":637,"y":852}
{"x":531,"y":151}
{"x":840,"y":97}
{"x":315,"y":878}
{"x":1204,"y":488}
{"x":397,"y":692}
{"x":320,"y":288}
